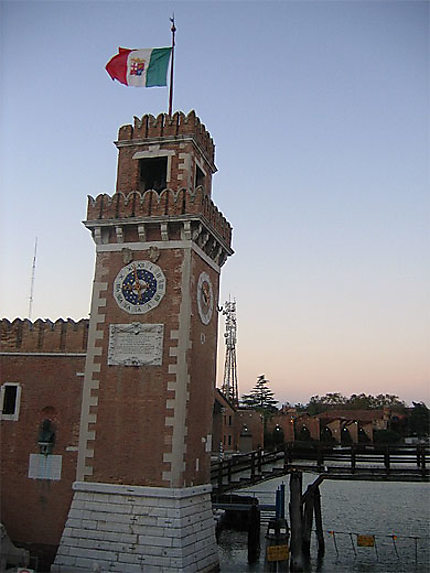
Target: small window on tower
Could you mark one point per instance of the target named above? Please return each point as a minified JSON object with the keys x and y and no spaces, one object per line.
{"x":200,"y":177}
{"x":10,"y":399}
{"x":153,"y":173}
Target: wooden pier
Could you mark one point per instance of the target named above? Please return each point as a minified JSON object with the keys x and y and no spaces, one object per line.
{"x":354,"y":462}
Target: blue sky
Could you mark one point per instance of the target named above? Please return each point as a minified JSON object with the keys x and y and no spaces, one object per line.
{"x":320,"y":116}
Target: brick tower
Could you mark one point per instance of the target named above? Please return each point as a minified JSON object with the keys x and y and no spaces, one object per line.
{"x":142,"y":496}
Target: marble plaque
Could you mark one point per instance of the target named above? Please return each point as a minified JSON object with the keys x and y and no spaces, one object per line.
{"x":45,"y":467}
{"x":135,"y":344}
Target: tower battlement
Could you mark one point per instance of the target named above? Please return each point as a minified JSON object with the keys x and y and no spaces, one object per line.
{"x":166,"y":204}
{"x":166,"y":126}
{"x":174,"y":152}
{"x":23,"y":335}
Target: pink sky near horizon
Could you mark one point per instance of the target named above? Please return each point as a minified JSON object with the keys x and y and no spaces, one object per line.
{"x":322,"y":138}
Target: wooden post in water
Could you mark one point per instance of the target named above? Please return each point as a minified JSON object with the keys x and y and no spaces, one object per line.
{"x":252,"y":466}
{"x":288,"y":455}
{"x":320,"y":457}
{"x":421,"y":458}
{"x":220,"y":474}
{"x":387,"y":460}
{"x":308,"y":513}
{"x":296,"y":478}
{"x":318,"y":522}
{"x":353,"y":458}
{"x":253,"y":533}
{"x":286,"y":461}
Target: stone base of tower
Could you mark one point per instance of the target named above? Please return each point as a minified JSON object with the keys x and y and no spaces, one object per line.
{"x":130,"y":529}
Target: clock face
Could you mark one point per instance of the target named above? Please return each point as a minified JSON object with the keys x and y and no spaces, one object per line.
{"x":205,"y":298}
{"x":139,"y":287}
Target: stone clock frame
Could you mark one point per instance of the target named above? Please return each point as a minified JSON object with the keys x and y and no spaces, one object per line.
{"x":205,"y":298}
{"x":139,"y":272}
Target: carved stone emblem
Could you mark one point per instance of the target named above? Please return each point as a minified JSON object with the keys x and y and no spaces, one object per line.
{"x":127,"y":255}
{"x":154,"y":253}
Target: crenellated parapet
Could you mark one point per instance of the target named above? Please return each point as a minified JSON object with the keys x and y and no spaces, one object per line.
{"x":166,"y":126}
{"x":167,"y":204}
{"x":163,"y":190}
{"x":61,"y":336}
{"x":173,"y":152}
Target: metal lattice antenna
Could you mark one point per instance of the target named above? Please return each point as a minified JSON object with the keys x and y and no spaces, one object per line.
{"x":33,"y":274}
{"x":229,"y":386}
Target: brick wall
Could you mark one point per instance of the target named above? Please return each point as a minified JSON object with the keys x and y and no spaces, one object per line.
{"x":50,"y":373}
{"x":43,"y":335}
{"x":284,"y":421}
{"x":253,"y":421}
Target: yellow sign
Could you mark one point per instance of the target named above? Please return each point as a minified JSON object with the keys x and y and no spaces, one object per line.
{"x":366,"y":540}
{"x":277,"y":553}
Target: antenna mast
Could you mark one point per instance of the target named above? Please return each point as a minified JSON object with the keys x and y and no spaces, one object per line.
{"x":33,"y":273}
{"x":229,"y":386}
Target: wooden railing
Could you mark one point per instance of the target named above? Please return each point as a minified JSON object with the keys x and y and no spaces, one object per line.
{"x":402,"y":463}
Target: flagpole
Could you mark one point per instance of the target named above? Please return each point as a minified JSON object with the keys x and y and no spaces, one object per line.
{"x":173,"y":30}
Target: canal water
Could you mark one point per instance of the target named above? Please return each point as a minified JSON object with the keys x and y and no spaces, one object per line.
{"x":397,"y":514}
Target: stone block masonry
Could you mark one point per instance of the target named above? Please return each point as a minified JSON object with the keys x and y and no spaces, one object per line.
{"x":130,"y":529}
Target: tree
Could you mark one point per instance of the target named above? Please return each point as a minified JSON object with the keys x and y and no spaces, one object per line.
{"x":419,"y":419}
{"x":361,"y":402}
{"x":391,"y":401}
{"x":318,"y":404}
{"x":260,"y":398}
{"x":335,"y":400}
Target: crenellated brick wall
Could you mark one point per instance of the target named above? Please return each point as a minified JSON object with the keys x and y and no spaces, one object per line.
{"x":168,"y":203}
{"x":181,"y":140}
{"x":169,"y":126}
{"x":43,"y":335}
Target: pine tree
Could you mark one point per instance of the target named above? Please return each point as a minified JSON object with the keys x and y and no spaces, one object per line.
{"x":260,"y":398}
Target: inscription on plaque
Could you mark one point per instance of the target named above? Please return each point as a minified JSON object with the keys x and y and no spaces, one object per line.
{"x":135,"y":344}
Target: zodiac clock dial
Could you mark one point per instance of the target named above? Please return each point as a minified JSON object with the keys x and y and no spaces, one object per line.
{"x":205,"y":298}
{"x":139,"y":287}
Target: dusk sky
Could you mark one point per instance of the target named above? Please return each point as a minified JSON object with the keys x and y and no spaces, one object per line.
{"x":320,"y":116}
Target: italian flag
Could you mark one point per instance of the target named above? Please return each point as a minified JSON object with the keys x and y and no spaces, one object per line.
{"x":140,"y":68}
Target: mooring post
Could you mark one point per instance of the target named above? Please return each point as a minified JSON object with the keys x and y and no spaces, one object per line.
{"x":318,"y":522}
{"x":353,"y":458}
{"x":387,"y":460}
{"x":296,"y":478}
{"x":278,"y":503}
{"x":308,"y":513}
{"x":420,"y":455}
{"x":282,"y":490}
{"x":220,"y":474}
{"x":288,"y":455}
{"x":320,"y":457}
{"x":286,"y":447}
{"x":253,"y":532}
